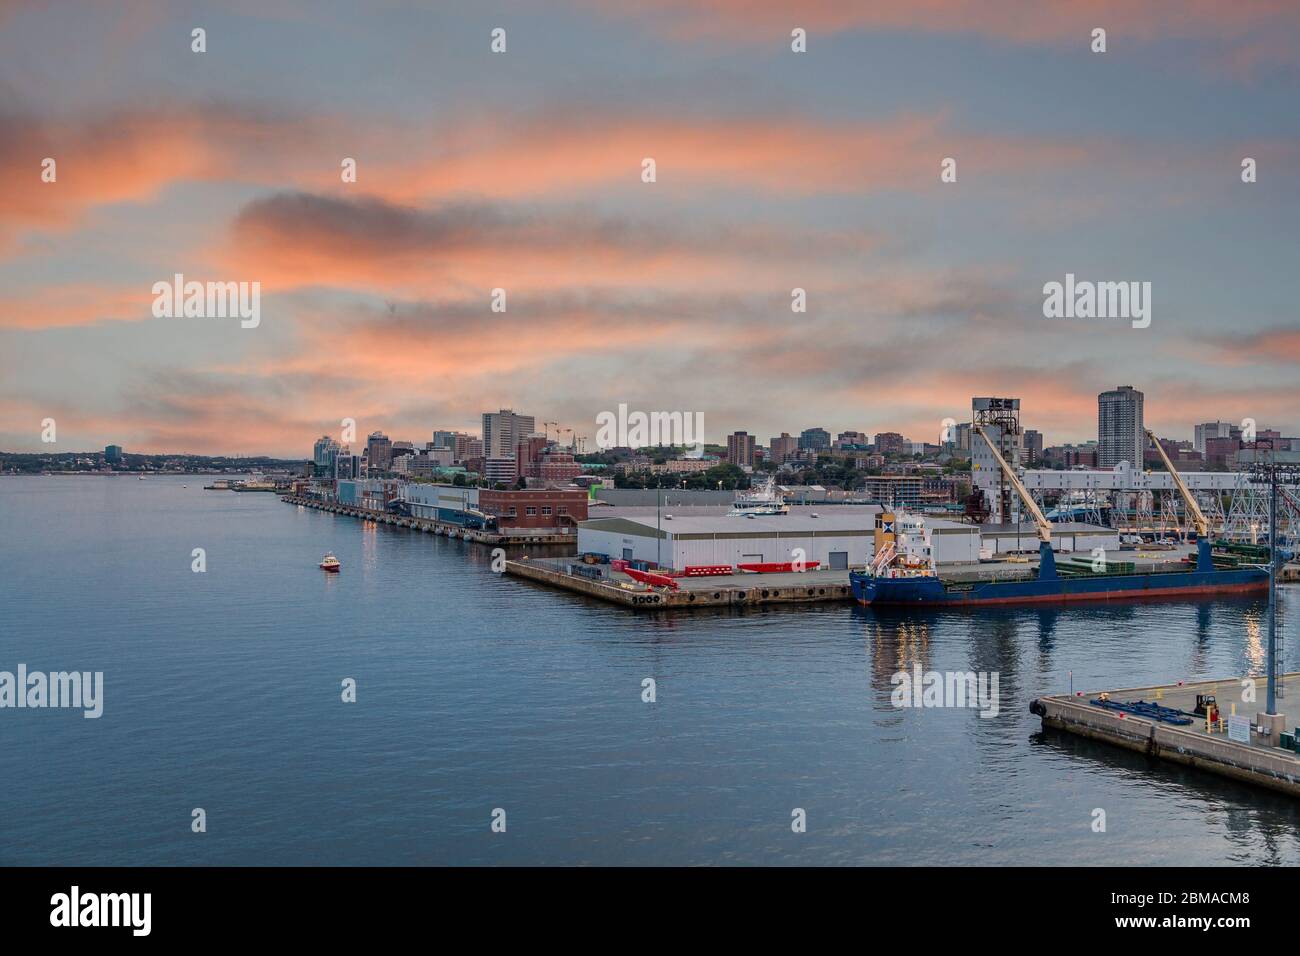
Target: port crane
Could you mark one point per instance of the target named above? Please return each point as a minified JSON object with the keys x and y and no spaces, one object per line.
{"x":1044,"y":526}
{"x":1204,"y":557}
{"x":1193,"y":509}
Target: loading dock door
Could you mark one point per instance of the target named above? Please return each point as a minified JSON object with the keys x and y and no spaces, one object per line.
{"x":751,"y":559}
{"x":627,"y":554}
{"x":839,"y":560}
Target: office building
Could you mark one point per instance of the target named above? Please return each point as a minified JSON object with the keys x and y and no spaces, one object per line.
{"x":379,"y":452}
{"x":784,"y":447}
{"x":1211,"y":430}
{"x":814,"y":439}
{"x":503,"y":430}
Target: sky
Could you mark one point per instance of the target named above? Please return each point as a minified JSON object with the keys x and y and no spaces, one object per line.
{"x":522,"y":170}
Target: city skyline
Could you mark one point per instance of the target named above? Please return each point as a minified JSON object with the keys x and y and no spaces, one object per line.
{"x":780,"y":171}
{"x":723,"y":440}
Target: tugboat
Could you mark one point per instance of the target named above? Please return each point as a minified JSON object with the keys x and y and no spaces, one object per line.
{"x":330,"y":563}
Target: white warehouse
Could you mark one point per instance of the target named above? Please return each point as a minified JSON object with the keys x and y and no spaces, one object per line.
{"x":836,"y":540}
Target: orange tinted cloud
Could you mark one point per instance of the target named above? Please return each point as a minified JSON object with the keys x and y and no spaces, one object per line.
{"x":783,"y":155}
{"x":73,"y":304}
{"x":1271,"y":346}
{"x":298,"y":239}
{"x":132,"y":156}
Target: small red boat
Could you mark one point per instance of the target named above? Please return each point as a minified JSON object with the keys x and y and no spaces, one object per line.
{"x":330,"y":563}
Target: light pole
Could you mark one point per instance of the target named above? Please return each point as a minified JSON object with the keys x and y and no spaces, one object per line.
{"x":1275,"y":476}
{"x":659,"y":508}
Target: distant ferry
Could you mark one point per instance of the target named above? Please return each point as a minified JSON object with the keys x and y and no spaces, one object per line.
{"x":761,"y":499}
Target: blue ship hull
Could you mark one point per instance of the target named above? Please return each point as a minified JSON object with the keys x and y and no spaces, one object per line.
{"x":1049,"y":587}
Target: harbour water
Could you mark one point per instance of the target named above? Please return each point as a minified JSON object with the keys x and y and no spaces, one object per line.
{"x":222,"y":690}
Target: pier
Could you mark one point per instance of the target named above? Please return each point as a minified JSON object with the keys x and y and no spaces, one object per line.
{"x":732,"y":590}
{"x":1258,"y":759}
{"x":510,"y":539}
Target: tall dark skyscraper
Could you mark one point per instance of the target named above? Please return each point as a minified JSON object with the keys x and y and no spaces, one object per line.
{"x":1120,"y":428}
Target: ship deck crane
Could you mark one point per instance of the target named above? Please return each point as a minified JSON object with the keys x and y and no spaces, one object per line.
{"x":1193,"y":509}
{"x":1044,"y":526}
{"x":1046,"y":557}
{"x":1204,"y":560}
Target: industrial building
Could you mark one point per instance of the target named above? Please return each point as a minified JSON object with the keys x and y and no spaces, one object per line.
{"x":837,"y":540}
{"x":1067,"y":536}
{"x":449,"y":503}
{"x":999,"y":420}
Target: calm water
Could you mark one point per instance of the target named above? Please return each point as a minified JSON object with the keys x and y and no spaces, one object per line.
{"x":476,"y":692}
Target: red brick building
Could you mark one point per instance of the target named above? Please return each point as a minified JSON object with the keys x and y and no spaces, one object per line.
{"x":535,"y":508}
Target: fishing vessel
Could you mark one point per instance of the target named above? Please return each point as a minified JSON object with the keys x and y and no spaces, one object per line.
{"x":902,"y":572}
{"x":760,"y":499}
{"x":330,"y":563}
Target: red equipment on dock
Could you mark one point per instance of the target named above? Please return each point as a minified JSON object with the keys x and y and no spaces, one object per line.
{"x":778,"y":567}
{"x":707,"y":570}
{"x":647,"y":577}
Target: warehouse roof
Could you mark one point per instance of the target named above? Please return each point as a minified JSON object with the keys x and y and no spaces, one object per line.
{"x":797,"y":512}
{"x":829,"y":521}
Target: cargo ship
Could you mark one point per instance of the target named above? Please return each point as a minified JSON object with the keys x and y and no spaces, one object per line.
{"x":890,"y":584}
{"x":900,"y":574}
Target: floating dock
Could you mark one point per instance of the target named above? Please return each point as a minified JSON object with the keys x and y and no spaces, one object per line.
{"x":730,"y":590}
{"x":519,"y":539}
{"x":1260,"y":761}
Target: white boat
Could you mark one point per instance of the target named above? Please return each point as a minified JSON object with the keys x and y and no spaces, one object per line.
{"x":330,"y":563}
{"x":761,"y":499}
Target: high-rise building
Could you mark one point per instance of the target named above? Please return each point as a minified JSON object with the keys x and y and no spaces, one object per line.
{"x":324,"y":452}
{"x":444,"y":439}
{"x":503,"y":430}
{"x":815,"y":439}
{"x":1120,"y":429}
{"x":890,"y":443}
{"x":467,"y":446}
{"x":784,"y":447}
{"x":740,"y":449}
{"x":379,"y":452}
{"x":1210,"y":430}
{"x":962,"y":437}
{"x":1033,"y":447}
{"x":347,"y":466}
{"x":113,"y":454}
